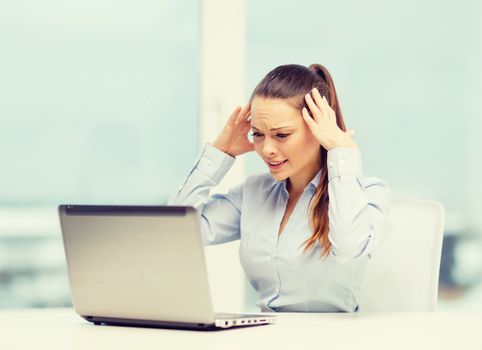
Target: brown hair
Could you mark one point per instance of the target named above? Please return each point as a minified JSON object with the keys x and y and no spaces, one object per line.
{"x":292,"y":82}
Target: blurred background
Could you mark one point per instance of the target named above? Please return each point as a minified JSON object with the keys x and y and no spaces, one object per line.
{"x":104,"y":102}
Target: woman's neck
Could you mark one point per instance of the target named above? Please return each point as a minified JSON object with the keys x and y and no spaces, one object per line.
{"x":297,"y":183}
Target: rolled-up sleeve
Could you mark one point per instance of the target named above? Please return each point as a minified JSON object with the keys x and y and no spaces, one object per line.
{"x":359,"y":206}
{"x":220,"y":213}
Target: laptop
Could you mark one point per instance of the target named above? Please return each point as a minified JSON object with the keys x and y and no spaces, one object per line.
{"x":142,"y":266}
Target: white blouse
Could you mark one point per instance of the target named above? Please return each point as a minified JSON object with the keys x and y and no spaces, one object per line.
{"x":286,"y":279}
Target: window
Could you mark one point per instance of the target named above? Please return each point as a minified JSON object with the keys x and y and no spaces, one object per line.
{"x":94,"y":95}
{"x":408,"y":77}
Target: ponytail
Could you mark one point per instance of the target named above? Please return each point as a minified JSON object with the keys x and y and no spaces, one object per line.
{"x":319,"y":203}
{"x":332,"y":97}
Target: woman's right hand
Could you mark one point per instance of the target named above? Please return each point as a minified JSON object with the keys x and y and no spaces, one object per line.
{"x":233,"y":139}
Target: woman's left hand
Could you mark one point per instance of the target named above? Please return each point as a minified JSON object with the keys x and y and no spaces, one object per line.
{"x":323,"y":124}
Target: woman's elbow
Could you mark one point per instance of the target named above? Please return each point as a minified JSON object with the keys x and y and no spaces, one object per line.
{"x":346,"y":250}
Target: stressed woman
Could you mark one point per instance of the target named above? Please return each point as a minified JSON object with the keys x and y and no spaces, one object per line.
{"x":308,"y":227}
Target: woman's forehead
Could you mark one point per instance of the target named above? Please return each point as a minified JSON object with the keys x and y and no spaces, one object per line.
{"x":273,"y":113}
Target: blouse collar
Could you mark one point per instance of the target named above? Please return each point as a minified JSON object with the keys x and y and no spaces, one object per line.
{"x":313,"y":183}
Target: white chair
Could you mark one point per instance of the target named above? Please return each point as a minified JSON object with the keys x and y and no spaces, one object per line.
{"x":403,"y":272}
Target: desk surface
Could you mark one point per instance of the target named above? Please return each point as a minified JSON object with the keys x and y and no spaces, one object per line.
{"x":64,"y":329}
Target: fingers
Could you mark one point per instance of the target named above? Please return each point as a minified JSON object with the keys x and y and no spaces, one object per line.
{"x":247,"y":116}
{"x":330,"y":112}
{"x":306,"y":116}
{"x":234,"y":114}
{"x":323,"y":105}
{"x":320,"y":102}
{"x":243,"y":114}
{"x":315,"y":111}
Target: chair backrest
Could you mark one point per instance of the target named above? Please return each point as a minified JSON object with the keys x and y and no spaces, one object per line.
{"x":403,"y":272}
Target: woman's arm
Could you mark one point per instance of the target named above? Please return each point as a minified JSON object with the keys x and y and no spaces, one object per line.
{"x":220,"y":213}
{"x":359,"y":206}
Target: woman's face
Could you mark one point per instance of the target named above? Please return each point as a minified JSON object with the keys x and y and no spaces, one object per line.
{"x":293,"y":142}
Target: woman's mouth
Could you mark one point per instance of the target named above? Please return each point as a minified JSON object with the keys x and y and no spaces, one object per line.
{"x":277,"y":165}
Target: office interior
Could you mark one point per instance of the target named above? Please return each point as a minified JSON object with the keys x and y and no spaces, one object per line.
{"x":110,"y":102}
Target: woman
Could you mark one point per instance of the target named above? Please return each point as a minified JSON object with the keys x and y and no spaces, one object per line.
{"x":308,"y":227}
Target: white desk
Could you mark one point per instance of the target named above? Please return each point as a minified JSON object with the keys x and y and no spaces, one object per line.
{"x":63,"y":329}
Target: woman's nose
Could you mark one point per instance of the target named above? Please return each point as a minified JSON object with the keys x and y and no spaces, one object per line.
{"x":269,"y":148}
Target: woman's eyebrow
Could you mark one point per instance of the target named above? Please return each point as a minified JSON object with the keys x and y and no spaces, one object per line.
{"x":281,"y":127}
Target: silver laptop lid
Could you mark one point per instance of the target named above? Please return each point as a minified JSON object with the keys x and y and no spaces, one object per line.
{"x":136,"y":262}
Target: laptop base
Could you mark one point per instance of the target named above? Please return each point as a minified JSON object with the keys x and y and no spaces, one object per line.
{"x":158,"y":324}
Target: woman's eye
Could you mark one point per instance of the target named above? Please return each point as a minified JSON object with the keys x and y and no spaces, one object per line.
{"x":281,"y":136}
